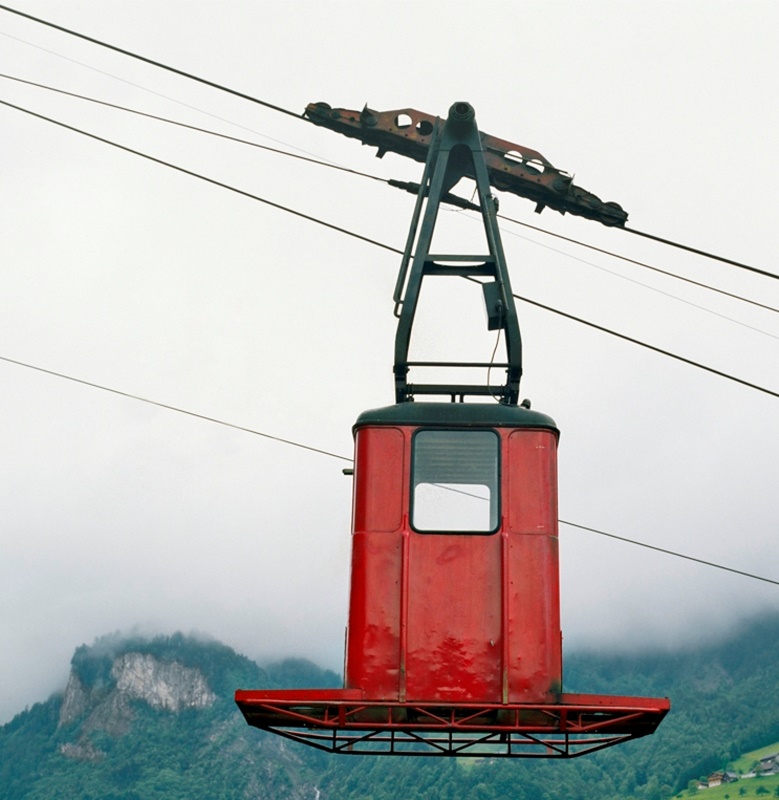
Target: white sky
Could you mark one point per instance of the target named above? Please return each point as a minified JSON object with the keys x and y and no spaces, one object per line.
{"x":116,"y":514}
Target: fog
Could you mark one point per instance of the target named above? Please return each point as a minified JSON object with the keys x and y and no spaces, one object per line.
{"x":121,"y":515}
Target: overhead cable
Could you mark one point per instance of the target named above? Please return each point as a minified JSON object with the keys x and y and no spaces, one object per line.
{"x":704,"y":253}
{"x":639,"y":263}
{"x":645,"y":285}
{"x":196,"y":128}
{"x":359,"y":173}
{"x":172,"y":408}
{"x":670,"y":552}
{"x":381,"y":245}
{"x":142,"y":88}
{"x":651,"y":347}
{"x":199,"y":176}
{"x":638,"y":342}
{"x":290,"y":442}
{"x":153,"y":63}
{"x":274,"y":107}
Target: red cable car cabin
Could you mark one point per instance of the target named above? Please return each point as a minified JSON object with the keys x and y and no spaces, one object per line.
{"x":455,"y":590}
{"x":453,"y":640}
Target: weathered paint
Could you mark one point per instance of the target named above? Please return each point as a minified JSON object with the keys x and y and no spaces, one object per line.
{"x":454,"y":645}
{"x":456,"y":617}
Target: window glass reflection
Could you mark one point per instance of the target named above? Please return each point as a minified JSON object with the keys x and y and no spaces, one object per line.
{"x":455,"y":481}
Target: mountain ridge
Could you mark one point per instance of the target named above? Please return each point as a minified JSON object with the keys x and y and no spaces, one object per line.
{"x":154,"y":718}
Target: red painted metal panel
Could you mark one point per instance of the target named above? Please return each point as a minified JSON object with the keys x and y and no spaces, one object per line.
{"x":454,"y":618}
{"x":373,"y":653}
{"x":533,"y":584}
{"x":380,"y":474}
{"x":373,"y":639}
{"x":531,"y":468}
{"x":534,"y":639}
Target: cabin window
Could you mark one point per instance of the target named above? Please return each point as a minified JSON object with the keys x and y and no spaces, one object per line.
{"x":455,"y":481}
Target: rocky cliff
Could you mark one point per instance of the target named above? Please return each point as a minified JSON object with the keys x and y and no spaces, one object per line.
{"x":139,"y":676}
{"x":135,"y":676}
{"x":143,"y":719}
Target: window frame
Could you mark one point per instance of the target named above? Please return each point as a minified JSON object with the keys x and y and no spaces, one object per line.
{"x":498,"y":482}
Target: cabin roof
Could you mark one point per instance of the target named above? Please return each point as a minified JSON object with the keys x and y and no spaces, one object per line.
{"x":456,"y":414}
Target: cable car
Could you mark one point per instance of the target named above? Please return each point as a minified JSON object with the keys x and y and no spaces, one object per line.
{"x":453,"y":644}
{"x":454,"y":591}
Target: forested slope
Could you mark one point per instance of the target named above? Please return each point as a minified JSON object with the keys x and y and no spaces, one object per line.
{"x":155,"y":719}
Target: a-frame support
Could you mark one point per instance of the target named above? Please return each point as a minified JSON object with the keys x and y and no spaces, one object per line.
{"x":456,"y":149}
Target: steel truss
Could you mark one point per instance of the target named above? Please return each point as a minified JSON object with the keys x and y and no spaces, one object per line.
{"x":343,"y":723}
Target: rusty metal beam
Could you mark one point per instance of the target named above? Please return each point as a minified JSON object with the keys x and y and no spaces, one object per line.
{"x":512,"y":167}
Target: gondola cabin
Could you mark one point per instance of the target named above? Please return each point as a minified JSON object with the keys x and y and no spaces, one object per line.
{"x":453,"y":639}
{"x":454,"y":588}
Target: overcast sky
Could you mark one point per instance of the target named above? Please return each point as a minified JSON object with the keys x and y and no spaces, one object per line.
{"x":120,"y":515}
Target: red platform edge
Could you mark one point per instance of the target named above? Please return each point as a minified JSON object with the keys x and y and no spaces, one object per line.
{"x":342,"y":720}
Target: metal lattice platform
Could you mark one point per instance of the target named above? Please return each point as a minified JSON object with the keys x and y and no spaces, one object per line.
{"x":343,"y":722}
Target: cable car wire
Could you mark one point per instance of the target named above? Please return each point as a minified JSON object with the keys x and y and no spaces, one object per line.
{"x":280,"y":109}
{"x":177,"y":409}
{"x":198,"y":129}
{"x":292,"y":443}
{"x":646,"y":286}
{"x":704,"y":253}
{"x":146,"y":89}
{"x":152,"y":62}
{"x":382,"y":245}
{"x":669,"y":552}
{"x":651,"y":347}
{"x":361,"y":174}
{"x":201,"y":177}
{"x":639,"y":263}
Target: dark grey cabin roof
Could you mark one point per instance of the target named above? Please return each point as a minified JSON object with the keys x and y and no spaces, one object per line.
{"x":456,"y":415}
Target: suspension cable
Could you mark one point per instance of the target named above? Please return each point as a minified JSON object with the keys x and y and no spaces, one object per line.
{"x":274,"y":107}
{"x":197,"y":128}
{"x":359,"y":173}
{"x":381,"y":245}
{"x":704,"y":253}
{"x":201,"y":177}
{"x":177,"y":409}
{"x":669,"y":552}
{"x":292,"y":443}
{"x":640,"y":264}
{"x":152,"y":62}
{"x":651,"y":347}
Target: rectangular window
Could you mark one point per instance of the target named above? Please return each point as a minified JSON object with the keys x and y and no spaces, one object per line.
{"x":455,"y":481}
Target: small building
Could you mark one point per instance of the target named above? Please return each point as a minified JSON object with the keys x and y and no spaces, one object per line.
{"x":768,"y":765}
{"x":718,"y":778}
